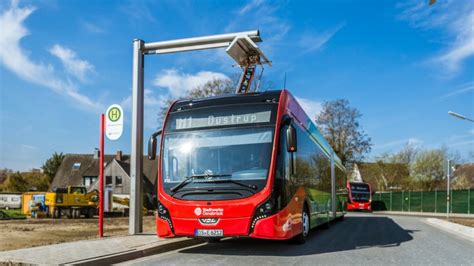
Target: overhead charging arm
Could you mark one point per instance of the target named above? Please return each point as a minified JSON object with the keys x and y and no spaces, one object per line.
{"x":247,"y":55}
{"x":140,"y":50}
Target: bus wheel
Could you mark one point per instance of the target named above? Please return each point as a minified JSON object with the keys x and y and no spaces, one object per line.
{"x":301,"y":238}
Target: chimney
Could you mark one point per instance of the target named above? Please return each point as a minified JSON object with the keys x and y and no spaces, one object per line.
{"x":118,"y":156}
{"x":96,"y":154}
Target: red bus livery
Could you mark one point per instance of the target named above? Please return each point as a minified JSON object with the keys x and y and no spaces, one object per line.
{"x":245,"y":165}
{"x":360,"y":196}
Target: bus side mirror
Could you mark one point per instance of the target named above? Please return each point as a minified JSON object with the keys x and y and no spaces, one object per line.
{"x":152,"y":145}
{"x":291,"y":144}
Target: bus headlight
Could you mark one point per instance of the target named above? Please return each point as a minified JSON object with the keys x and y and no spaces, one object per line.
{"x":269,"y":206}
{"x":164,"y":214}
{"x":263,"y":210}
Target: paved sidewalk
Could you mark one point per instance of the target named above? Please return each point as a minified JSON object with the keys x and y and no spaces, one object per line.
{"x":463,"y":231}
{"x":99,"y":251}
{"x":425,"y":214}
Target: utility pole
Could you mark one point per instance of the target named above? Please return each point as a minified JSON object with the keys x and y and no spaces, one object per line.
{"x":448,"y":195}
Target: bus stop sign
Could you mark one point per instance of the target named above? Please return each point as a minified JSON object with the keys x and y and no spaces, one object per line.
{"x":114,"y":122}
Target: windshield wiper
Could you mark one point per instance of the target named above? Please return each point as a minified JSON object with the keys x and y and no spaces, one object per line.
{"x":189,"y":179}
{"x":254,"y":187}
{"x":232,"y":181}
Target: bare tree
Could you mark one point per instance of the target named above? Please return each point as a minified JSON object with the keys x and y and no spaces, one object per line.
{"x":211,"y":88}
{"x":406,"y":155}
{"x":339,"y":124}
{"x":214,"y":87}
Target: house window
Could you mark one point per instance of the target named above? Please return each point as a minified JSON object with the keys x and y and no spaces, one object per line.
{"x":108,"y":180}
{"x":76,"y":166}
{"x":118,"y":180}
{"x":88,"y":181}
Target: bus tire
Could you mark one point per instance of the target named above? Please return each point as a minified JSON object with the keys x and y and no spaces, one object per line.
{"x":305,"y":223}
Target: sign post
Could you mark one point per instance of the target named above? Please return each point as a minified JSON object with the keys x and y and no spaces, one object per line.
{"x":112,"y":124}
{"x":101,"y":177}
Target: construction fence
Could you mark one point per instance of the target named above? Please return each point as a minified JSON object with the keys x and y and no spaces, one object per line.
{"x":462,"y":201}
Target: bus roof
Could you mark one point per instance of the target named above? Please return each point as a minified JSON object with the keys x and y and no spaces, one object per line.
{"x":254,"y":97}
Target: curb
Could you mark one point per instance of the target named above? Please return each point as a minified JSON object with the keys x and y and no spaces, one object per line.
{"x":174,"y":244}
{"x":463,"y":231}
{"x":424,"y":214}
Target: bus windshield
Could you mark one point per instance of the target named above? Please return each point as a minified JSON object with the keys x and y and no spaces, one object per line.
{"x":209,"y":152}
{"x":360,"y":192}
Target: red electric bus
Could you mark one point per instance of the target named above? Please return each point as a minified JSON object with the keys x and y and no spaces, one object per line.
{"x":360,"y":196}
{"x":245,"y":165}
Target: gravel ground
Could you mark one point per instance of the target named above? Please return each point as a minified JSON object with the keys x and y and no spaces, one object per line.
{"x":463,"y":221}
{"x":15,"y":234}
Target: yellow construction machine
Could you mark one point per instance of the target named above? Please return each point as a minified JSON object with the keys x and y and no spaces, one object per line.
{"x":72,"y":202}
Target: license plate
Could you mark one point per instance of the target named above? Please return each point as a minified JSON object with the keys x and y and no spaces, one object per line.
{"x":209,"y":232}
{"x":361,"y":207}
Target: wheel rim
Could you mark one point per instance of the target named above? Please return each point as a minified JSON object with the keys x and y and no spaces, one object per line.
{"x":305,"y":224}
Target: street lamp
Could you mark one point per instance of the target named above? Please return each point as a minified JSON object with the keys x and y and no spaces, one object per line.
{"x":460,"y":116}
{"x":449,"y":169}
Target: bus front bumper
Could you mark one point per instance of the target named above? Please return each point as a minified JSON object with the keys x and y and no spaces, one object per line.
{"x":272,"y":227}
{"x":231,"y":227}
{"x":363,"y":206}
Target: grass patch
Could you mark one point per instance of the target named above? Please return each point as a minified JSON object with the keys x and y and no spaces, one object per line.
{"x":13,"y":213}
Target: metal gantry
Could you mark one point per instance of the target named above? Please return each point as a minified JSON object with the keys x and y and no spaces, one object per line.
{"x":240,"y":46}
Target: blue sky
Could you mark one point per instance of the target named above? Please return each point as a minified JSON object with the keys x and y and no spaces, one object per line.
{"x":402,"y":64}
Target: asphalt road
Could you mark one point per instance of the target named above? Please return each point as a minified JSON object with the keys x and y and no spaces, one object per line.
{"x":360,"y":239}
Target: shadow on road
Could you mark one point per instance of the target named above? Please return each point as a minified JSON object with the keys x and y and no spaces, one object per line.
{"x":355,"y":232}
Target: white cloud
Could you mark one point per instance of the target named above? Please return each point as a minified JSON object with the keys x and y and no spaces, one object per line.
{"x":261,"y":15}
{"x":74,"y":66}
{"x":455,"y":18}
{"x":250,"y":5}
{"x":463,"y":143}
{"x":14,"y":58}
{"x":29,"y":147}
{"x":314,"y":41}
{"x":312,"y":108}
{"x":178,"y":83}
{"x":153,"y":104}
{"x":400,"y":142}
{"x":91,"y":27}
{"x":464,"y":88}
{"x":127,"y":103}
